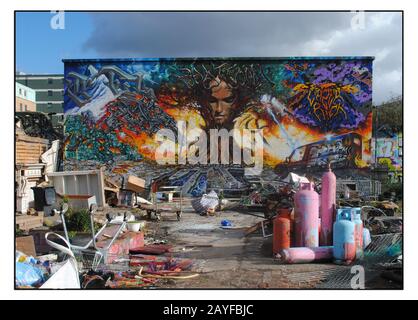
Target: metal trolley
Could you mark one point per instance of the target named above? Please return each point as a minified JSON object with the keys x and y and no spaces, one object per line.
{"x":90,"y":254}
{"x":158,"y":207}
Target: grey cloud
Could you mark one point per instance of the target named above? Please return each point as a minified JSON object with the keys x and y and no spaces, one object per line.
{"x":253,"y":34}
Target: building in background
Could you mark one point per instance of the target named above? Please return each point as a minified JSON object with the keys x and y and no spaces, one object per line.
{"x":49,"y":90}
{"x":25,"y":98}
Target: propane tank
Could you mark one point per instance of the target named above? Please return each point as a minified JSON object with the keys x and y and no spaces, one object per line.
{"x":281,"y":231}
{"x":328,"y":201}
{"x":306,"y":216}
{"x":358,"y":222}
{"x":367,"y":239}
{"x":305,"y":255}
{"x":344,"y":237}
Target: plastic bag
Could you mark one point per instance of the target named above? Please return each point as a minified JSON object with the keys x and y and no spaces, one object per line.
{"x":21,"y":257}
{"x":28,"y":274}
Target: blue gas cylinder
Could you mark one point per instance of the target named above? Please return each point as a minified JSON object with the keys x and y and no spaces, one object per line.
{"x":344,"y":236}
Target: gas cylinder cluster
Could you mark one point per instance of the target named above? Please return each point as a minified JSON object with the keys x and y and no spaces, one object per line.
{"x":318,"y":230}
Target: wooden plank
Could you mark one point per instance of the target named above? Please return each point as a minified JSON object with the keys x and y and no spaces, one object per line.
{"x":26,"y":222}
{"x":24,"y":137}
{"x":135,"y":184}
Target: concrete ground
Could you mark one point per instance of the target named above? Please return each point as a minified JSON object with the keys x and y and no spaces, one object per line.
{"x":232,"y":260}
{"x":228,"y":259}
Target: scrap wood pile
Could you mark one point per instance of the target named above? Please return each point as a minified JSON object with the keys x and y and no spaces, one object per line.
{"x":144,"y":271}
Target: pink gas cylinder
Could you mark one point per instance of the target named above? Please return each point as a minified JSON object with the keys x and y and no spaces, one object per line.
{"x":328,"y":201}
{"x":358,"y":236}
{"x":305,"y":255}
{"x":306,"y":216}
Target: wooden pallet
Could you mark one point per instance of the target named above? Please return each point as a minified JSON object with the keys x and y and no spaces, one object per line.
{"x":29,"y":149}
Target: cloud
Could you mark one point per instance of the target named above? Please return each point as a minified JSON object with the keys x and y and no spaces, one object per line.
{"x":237,"y":34}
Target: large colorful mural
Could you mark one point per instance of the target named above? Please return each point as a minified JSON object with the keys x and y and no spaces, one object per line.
{"x":310,"y":110}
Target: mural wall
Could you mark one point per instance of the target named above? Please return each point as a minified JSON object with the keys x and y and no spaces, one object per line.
{"x":388,"y":154}
{"x":310,"y":110}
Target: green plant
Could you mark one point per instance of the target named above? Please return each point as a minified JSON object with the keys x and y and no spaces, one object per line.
{"x":72,"y":234}
{"x":79,"y":221}
{"x":19,"y":233}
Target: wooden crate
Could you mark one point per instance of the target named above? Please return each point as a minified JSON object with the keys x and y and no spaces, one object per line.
{"x":26,"y":223}
{"x":29,"y":149}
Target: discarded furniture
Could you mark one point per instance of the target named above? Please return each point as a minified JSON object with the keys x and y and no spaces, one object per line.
{"x":79,"y":201}
{"x":51,"y":156}
{"x":27,"y":177}
{"x":93,"y":248}
{"x":88,"y":182}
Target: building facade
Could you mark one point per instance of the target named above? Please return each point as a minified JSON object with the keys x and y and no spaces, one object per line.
{"x":49,"y":89}
{"x":25,"y":98}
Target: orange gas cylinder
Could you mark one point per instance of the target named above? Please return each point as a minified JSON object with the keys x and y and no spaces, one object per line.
{"x":281,"y":231}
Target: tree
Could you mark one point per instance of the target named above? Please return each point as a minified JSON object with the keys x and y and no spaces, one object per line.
{"x":389,"y":115}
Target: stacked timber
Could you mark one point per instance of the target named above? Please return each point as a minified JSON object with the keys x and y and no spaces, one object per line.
{"x":29,"y":149}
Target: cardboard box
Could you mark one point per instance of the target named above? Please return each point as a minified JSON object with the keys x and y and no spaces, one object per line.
{"x":26,"y":245}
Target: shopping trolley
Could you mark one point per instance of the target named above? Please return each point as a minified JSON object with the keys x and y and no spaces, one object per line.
{"x":91,"y":255}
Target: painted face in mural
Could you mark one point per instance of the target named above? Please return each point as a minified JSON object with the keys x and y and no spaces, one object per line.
{"x":221,"y":102}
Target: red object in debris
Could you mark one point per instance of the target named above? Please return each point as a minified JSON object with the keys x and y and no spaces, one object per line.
{"x":154,"y":187}
{"x":281,"y":231}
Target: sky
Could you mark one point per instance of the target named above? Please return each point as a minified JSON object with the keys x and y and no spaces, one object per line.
{"x":40,"y":48}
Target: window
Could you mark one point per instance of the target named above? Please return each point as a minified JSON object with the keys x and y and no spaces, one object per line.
{"x":20,"y":107}
{"x":50,"y":80}
{"x":26,"y":107}
{"x":49,"y":93}
{"x":20,"y":91}
{"x":24,"y":93}
{"x":49,"y":105}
